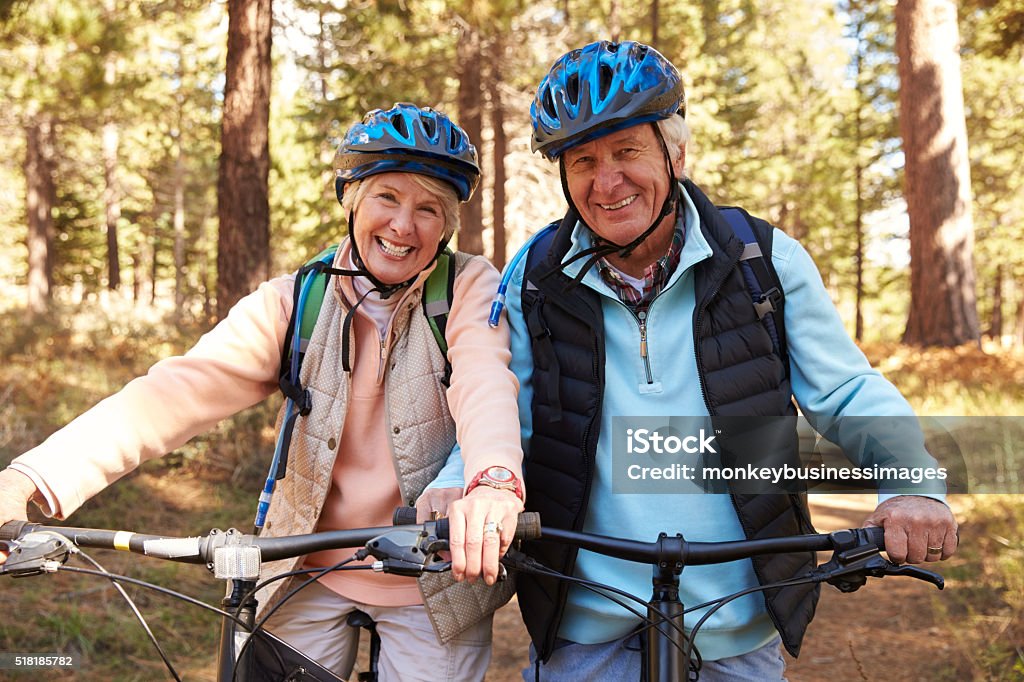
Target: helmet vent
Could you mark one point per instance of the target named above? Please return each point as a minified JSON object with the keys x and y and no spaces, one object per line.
{"x":605,"y":78}
{"x":549,"y":104}
{"x":429,"y":125}
{"x":399,"y":122}
{"x":572,"y":89}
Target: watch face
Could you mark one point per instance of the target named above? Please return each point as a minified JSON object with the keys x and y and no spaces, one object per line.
{"x":499,"y":474}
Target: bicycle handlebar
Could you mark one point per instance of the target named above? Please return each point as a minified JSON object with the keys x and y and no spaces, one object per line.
{"x":855,"y":549}
{"x":200,"y":550}
{"x":694,"y":553}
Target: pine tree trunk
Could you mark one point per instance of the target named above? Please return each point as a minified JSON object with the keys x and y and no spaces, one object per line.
{"x":471,"y":119}
{"x":39,"y":203}
{"x":943,"y":308}
{"x":243,"y":245}
{"x":995,"y":329}
{"x":111,"y":192}
{"x":179,"y":229}
{"x":500,"y":151}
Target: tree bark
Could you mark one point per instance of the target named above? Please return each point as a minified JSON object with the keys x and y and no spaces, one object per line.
{"x":500,"y":151}
{"x":111,"y":141}
{"x":111,"y":202}
{"x":469,"y":57}
{"x":995,"y":329}
{"x":40,"y":199}
{"x":943,"y":308}
{"x":243,"y":206}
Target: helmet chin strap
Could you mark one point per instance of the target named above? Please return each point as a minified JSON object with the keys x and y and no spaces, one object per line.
{"x":605,"y":247}
{"x":385,"y":291}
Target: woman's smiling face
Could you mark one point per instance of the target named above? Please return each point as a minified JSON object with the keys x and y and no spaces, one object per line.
{"x":397,"y":227}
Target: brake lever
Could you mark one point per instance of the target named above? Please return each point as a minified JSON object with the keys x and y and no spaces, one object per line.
{"x":849,"y":575}
{"x":408,"y":552}
{"x":916,"y":572}
{"x":35,"y":553}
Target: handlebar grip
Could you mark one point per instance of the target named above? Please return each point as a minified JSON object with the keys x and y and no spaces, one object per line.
{"x":404,"y":516}
{"x":527,"y":526}
{"x":12,"y":530}
{"x":876,"y":535}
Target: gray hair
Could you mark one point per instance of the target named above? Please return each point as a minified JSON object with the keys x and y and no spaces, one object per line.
{"x":676,"y":133}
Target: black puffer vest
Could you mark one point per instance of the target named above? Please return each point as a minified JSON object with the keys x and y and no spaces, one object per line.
{"x":741,"y":374}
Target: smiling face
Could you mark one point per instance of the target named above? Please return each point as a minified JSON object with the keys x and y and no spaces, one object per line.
{"x":619,"y":183}
{"x":398,"y":226}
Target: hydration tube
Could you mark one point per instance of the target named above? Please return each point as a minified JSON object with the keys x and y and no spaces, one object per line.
{"x":268,"y":487}
{"x":499,"y":298}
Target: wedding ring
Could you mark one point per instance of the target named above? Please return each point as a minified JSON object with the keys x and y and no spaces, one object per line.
{"x":934,"y":550}
{"x":492,"y":527}
{"x":435,"y":515}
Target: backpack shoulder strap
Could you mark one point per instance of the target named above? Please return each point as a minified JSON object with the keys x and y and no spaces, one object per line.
{"x":759,"y":273}
{"x":307,"y":299}
{"x":537,"y":250}
{"x":532,"y":303}
{"x":438,"y":292}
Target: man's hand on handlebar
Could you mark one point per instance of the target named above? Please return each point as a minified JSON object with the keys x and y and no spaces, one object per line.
{"x":433,"y":504}
{"x":474,"y":551}
{"x":917,"y":529}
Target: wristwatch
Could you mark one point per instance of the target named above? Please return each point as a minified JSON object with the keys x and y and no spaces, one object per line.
{"x":500,"y":478}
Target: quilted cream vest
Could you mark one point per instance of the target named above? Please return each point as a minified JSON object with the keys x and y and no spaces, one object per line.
{"x":422,"y":435}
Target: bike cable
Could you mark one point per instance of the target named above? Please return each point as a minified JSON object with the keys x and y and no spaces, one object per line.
{"x":606,"y":591}
{"x":319,"y":573}
{"x":138,"y":614}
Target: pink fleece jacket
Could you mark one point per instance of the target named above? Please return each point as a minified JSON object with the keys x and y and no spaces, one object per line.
{"x":235,"y":366}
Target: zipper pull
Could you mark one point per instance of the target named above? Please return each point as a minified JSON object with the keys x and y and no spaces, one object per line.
{"x":642,"y":316}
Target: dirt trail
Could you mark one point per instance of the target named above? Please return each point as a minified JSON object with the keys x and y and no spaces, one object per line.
{"x":884,"y":631}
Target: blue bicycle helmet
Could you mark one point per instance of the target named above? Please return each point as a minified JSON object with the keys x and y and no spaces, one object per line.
{"x":411,"y":139}
{"x":601,"y":88}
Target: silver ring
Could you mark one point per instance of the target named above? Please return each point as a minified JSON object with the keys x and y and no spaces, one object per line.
{"x":492,"y":527}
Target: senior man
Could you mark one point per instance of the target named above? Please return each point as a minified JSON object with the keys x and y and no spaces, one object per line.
{"x":633,"y":310}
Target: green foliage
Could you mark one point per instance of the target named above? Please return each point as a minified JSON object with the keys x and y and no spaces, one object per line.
{"x":777,"y":92}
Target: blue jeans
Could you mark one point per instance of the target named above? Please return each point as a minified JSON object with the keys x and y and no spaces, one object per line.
{"x":620,"y":660}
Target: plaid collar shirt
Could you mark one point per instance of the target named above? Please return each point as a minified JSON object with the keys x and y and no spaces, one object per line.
{"x":655,"y":277}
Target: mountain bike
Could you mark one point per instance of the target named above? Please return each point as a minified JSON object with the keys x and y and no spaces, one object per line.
{"x":247,"y":652}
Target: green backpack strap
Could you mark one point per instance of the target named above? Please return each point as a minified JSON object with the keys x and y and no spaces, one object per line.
{"x":438,"y":292}
{"x":315,"y":297}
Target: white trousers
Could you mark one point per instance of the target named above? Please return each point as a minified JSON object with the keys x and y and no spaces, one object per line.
{"x":314,"y":622}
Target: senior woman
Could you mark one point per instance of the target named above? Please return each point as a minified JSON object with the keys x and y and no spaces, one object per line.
{"x":382,"y":425}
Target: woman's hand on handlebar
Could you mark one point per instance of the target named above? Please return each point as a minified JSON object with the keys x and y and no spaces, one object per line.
{"x":16,"y":490}
{"x":474,"y":551}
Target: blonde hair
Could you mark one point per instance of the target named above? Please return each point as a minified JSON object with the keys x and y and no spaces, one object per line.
{"x":439,"y":189}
